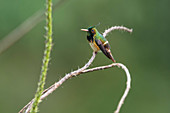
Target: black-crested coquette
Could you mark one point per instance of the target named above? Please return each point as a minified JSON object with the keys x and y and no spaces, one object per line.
{"x":98,"y":42}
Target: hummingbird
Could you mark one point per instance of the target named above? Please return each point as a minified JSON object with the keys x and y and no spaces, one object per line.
{"x":98,"y":42}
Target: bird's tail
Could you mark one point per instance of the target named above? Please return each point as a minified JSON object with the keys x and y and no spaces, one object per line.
{"x":114,"y":61}
{"x":110,"y":56}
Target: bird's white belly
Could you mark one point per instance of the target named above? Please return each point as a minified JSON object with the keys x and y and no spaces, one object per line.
{"x":93,"y":46}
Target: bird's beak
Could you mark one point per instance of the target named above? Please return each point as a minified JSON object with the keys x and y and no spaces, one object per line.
{"x":85,"y":30}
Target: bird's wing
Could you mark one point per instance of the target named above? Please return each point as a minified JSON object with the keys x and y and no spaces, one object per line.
{"x":102,"y":48}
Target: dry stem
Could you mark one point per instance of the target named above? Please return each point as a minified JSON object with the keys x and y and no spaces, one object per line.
{"x":116,"y":28}
{"x":59,"y":83}
{"x":82,"y":71}
{"x":128,"y":83}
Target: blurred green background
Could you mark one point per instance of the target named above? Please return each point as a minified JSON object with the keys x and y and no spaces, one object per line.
{"x":145,"y":52}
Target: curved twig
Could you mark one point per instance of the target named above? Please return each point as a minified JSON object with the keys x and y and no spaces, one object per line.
{"x":76,"y":73}
{"x":116,"y":28}
{"x":128,"y":83}
{"x":52,"y":88}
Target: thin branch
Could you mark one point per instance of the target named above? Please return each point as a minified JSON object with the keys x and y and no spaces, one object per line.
{"x":81,"y":71}
{"x":57,"y":84}
{"x":117,"y":28}
{"x":24,"y":28}
{"x":128,"y":83}
{"x":67,"y":76}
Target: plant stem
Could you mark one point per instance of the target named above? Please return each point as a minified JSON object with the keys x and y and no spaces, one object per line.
{"x":46,"y":58}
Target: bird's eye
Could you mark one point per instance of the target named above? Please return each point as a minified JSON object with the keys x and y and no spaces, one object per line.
{"x":92,"y":30}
